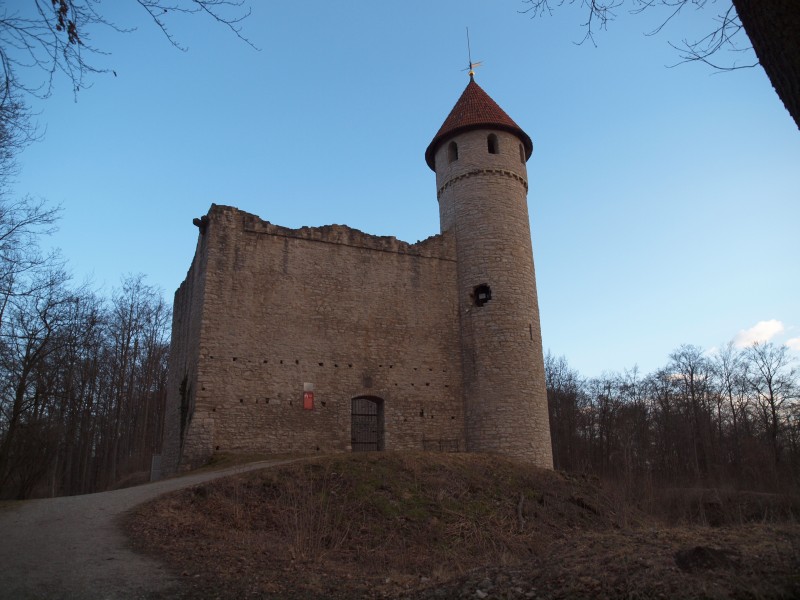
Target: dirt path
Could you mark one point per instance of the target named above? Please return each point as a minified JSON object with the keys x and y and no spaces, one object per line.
{"x":72,"y":548}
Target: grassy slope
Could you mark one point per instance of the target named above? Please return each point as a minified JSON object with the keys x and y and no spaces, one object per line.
{"x":447,"y":525}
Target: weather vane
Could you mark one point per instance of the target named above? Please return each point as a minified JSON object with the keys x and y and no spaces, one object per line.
{"x":472,"y":65}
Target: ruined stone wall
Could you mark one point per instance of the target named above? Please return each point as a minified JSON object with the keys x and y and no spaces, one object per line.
{"x":183,"y":358}
{"x":350,"y":313}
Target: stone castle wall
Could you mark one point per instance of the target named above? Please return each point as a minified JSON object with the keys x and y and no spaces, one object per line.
{"x":266,"y":310}
{"x":267,"y":313}
{"x":184,"y":356}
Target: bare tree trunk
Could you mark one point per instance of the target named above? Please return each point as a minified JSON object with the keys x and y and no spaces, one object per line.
{"x":773,"y":27}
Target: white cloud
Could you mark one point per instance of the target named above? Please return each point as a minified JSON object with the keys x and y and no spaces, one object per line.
{"x":794,"y":344}
{"x":763,"y":331}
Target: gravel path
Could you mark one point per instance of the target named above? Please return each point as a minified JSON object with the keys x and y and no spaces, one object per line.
{"x":72,"y":548}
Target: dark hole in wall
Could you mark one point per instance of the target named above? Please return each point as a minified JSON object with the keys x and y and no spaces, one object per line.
{"x":482,"y":294}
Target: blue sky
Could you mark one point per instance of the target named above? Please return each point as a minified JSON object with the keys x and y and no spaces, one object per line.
{"x":664,"y":202}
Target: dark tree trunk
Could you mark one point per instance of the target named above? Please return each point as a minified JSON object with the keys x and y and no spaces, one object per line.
{"x":773,"y":27}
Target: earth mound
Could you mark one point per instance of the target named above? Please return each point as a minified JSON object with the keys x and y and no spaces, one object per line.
{"x":429,"y":525}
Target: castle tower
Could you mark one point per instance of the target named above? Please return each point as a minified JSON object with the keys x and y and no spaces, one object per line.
{"x":479,"y":156}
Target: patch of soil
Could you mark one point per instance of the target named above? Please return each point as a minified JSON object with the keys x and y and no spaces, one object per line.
{"x":417,"y":525}
{"x":701,"y":558}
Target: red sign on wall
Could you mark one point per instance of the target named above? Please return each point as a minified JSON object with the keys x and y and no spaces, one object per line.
{"x":308,"y":400}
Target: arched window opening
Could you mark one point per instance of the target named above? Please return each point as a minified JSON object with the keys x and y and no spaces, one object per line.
{"x":521,"y":154}
{"x":452,"y":152}
{"x":492,"y":143}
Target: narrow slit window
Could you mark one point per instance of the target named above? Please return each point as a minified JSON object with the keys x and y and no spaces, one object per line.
{"x":521,"y":154}
{"x":452,"y":152}
{"x":492,"y":144}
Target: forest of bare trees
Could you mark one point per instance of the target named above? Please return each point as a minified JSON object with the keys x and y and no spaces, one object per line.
{"x":730,"y":419}
{"x":81,"y":376}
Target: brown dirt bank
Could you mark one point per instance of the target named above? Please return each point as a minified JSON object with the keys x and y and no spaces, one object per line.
{"x":447,"y":526}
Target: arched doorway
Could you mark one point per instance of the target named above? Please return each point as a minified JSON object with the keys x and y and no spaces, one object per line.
{"x":366,"y":424}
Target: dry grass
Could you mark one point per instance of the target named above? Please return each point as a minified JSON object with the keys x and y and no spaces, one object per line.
{"x":389,"y":524}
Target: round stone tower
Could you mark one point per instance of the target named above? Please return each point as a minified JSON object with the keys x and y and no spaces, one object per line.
{"x":479,"y":157}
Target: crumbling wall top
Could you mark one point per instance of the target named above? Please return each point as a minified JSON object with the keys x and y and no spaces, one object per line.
{"x":435,"y":246}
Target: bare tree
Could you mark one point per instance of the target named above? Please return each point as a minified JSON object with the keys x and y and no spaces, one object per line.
{"x":55,"y":36}
{"x":22,"y":223}
{"x":774,"y":382}
{"x":732,"y":388}
{"x":28,"y":340}
{"x":16,"y":131}
{"x":634,"y":425}
{"x":769,"y":28}
{"x":136,"y":361}
{"x":565,"y":403}
{"x":40,"y":39}
{"x":691,"y":369}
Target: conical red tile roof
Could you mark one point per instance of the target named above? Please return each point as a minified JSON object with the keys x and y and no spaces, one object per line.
{"x":475,"y":110}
